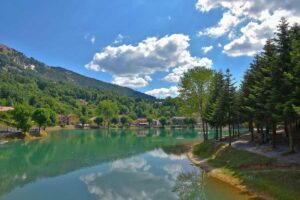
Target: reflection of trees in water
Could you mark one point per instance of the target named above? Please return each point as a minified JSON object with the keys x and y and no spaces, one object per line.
{"x":190,"y":186}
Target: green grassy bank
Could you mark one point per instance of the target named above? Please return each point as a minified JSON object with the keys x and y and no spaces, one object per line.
{"x":255,"y":171}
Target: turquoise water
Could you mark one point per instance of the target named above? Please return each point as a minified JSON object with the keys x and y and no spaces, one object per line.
{"x":102,"y":164}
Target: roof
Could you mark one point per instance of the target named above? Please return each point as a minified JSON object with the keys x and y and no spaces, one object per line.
{"x":5,"y":108}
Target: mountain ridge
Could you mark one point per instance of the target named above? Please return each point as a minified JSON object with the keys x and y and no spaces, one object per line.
{"x":10,"y":57}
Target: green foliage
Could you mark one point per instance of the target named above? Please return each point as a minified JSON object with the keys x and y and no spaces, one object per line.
{"x":108,"y":109}
{"x":163,"y":121}
{"x":124,"y":120}
{"x":65,"y":92}
{"x":194,"y":89}
{"x":22,"y":116}
{"x":83,"y":120}
{"x":42,"y":117}
{"x":99,"y":120}
{"x":115,"y":120}
{"x":149,"y":120}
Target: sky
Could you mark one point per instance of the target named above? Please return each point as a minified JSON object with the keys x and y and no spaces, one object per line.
{"x":146,"y":45}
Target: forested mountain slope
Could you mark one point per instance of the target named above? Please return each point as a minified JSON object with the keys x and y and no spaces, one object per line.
{"x":14,"y":61}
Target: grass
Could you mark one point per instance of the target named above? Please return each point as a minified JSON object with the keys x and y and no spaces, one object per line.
{"x":255,"y":171}
{"x":206,"y":149}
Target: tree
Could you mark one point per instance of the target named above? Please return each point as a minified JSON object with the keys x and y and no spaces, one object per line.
{"x":22,"y":117}
{"x":192,"y":122}
{"x":108,"y":109}
{"x":83,"y":120}
{"x":214,"y":111}
{"x":149,"y":120}
{"x":115,"y":120}
{"x":52,"y":118}
{"x":163,"y":121}
{"x":99,"y":120}
{"x":42,"y":117}
{"x":229,"y":92}
{"x":194,"y":92}
{"x":124,"y":120}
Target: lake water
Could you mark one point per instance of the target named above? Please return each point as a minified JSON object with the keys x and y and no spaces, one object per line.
{"x":108,"y":165}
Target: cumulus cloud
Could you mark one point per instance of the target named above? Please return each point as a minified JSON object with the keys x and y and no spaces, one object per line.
{"x":131,"y":81}
{"x":178,"y":72}
{"x":207,"y":49}
{"x":259,"y":17}
{"x":227,"y":22}
{"x":133,"y":65}
{"x":164,"y":92}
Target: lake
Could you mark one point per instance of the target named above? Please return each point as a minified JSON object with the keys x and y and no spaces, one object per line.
{"x":107,"y":164}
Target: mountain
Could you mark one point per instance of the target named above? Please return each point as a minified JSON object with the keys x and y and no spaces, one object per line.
{"x":16,"y":62}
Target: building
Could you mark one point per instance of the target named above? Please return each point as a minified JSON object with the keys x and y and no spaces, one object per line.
{"x":141,"y":122}
{"x":178,"y":121}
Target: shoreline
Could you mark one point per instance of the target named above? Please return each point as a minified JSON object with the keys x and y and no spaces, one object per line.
{"x":221,"y":175}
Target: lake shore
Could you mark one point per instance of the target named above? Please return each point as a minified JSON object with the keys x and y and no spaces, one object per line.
{"x":253,"y":173}
{"x":224,"y":176}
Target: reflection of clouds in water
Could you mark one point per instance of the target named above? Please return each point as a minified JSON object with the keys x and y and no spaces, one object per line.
{"x":90,"y":177}
{"x":159,"y":153}
{"x":121,"y":185}
{"x":173,"y":170}
{"x":135,"y":178}
{"x":131,"y":164}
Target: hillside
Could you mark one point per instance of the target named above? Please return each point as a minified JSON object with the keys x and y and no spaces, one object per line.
{"x":14,"y":61}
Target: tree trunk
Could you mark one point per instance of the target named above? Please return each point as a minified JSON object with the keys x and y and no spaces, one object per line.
{"x":262,"y":135}
{"x":229,"y":130}
{"x":206,"y":127}
{"x":233,"y":130}
{"x":221,"y":133}
{"x":251,"y":130}
{"x":203,"y":129}
{"x":291,"y":141}
{"x":267,"y":133}
{"x":238,"y":127}
{"x":274,"y":136}
{"x":286,"y":129}
{"x":217,"y":133}
{"x":257,"y":130}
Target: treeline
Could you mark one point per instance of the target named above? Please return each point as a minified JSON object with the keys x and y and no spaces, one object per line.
{"x":20,"y":88}
{"x":269,"y":96}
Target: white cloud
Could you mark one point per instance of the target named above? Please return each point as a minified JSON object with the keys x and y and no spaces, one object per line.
{"x":131,"y":81}
{"x":132,"y":65}
{"x":164,"y":92}
{"x":227,"y":22}
{"x":93,"y":39}
{"x":207,"y":49}
{"x":119,"y":39}
{"x":178,"y":72}
{"x":261,"y":18}
{"x":90,"y":37}
{"x":219,"y":45}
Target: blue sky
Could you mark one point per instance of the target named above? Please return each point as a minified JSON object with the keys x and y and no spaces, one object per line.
{"x":144,"y":44}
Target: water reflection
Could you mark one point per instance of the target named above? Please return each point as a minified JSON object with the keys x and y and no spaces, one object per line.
{"x":190,"y":186}
{"x":147,"y":176}
{"x":24,"y":162}
{"x":93,"y":164}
